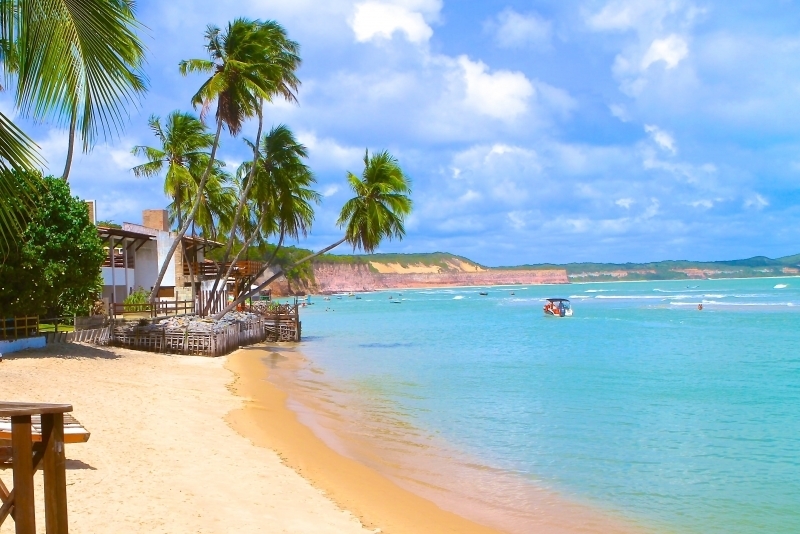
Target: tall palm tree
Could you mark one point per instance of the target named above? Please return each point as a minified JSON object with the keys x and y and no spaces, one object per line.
{"x":280,"y":195}
{"x":72,"y":60}
{"x":376,"y":212}
{"x":249,"y":62}
{"x":184,"y":144}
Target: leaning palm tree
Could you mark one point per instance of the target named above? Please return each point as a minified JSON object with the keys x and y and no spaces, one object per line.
{"x":376,"y":212}
{"x":250,"y":61}
{"x":77,"y":61}
{"x":280,"y":194}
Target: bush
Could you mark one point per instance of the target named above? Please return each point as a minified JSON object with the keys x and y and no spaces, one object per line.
{"x":139,"y":296}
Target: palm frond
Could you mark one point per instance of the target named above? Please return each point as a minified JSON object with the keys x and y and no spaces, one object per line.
{"x":76,"y":58}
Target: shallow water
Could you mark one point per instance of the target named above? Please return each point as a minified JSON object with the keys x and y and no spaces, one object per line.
{"x":640,"y":405}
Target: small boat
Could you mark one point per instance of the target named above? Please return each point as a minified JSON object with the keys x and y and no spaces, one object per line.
{"x":351,"y":295}
{"x":396,"y":302}
{"x":484,"y":293}
{"x":358,"y":298}
{"x":781,"y":286}
{"x":558,"y":308}
{"x":512,"y":292}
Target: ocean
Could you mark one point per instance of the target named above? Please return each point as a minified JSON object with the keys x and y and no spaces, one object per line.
{"x":639,"y":406}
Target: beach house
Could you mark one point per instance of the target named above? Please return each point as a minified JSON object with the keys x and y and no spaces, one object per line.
{"x":136,"y":252}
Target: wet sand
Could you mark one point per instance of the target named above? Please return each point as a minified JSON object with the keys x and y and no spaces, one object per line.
{"x":401,"y":491}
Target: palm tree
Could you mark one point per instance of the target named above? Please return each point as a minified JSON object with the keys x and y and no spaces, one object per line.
{"x":250,"y":61}
{"x":74,"y":60}
{"x":184,"y":148}
{"x":376,"y":212}
{"x":280,"y":195}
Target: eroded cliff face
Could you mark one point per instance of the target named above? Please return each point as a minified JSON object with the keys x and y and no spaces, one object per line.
{"x":334,"y":278}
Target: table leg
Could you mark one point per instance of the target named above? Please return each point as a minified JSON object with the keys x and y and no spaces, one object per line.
{"x":55,"y":479}
{"x":22,"y":451}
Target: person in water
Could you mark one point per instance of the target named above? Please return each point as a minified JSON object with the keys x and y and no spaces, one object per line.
{"x":699,"y":307}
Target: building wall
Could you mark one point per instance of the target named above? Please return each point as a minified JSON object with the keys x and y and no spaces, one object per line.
{"x":147,"y":265}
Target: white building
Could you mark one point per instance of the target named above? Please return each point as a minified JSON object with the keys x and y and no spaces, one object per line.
{"x":136,"y":253}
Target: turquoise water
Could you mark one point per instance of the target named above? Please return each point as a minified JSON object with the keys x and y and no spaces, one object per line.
{"x":685,"y":421}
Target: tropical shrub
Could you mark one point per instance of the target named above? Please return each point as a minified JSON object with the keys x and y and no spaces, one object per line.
{"x":55,"y":268}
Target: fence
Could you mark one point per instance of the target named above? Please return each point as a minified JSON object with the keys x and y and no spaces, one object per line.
{"x":282,"y":321}
{"x":18,"y":327}
{"x":98,"y":336}
{"x":205,"y":296}
{"x":216,"y":343}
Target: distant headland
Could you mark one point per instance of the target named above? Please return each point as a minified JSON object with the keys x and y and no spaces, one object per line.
{"x":334,"y":273}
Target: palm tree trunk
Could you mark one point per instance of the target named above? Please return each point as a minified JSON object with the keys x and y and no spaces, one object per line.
{"x":71,"y":145}
{"x":246,"y":243}
{"x":190,"y":218}
{"x":242,"y":202}
{"x":247,"y":294}
{"x":268,"y":263}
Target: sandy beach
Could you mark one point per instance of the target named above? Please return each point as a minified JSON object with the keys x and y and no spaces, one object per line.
{"x":194,"y":444}
{"x":164,"y":455}
{"x":161,"y":458}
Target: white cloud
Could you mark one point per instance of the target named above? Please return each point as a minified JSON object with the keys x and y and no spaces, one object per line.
{"x":517,"y":30}
{"x":671,"y":50}
{"x":502,"y":94}
{"x":380,"y":20}
{"x":756,"y":202}
{"x":620,"y":112}
{"x":326,"y":153}
{"x":330,"y":190}
{"x":518,"y":219}
{"x":703,"y":203}
{"x":661,"y":138}
{"x":625,"y":203}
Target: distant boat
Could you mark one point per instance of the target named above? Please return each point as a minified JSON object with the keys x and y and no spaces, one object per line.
{"x":558,"y":308}
{"x":512,"y":292}
{"x":358,"y":298}
{"x":692,"y":287}
{"x":396,"y":302}
{"x":781,"y":286}
{"x":484,"y":293}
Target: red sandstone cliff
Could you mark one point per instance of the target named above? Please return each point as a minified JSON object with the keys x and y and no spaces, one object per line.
{"x":333,"y":278}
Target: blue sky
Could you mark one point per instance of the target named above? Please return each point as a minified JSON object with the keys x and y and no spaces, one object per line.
{"x":534,"y":131}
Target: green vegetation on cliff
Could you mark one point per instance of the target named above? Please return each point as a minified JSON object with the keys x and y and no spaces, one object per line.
{"x":758,"y":266}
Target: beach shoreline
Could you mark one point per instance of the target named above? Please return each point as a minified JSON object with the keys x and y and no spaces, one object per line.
{"x":407,"y":490}
{"x":375,"y":500}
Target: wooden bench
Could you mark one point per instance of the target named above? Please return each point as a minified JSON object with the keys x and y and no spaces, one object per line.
{"x":27,"y":454}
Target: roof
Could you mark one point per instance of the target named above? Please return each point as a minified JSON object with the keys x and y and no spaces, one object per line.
{"x":146,"y":234}
{"x":557,"y":300}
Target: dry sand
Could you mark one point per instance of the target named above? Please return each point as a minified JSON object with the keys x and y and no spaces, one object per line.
{"x":161,"y":458}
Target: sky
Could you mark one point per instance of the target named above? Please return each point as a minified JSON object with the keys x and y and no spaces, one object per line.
{"x":533,"y":131}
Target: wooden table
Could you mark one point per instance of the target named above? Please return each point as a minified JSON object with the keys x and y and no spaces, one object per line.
{"x":27,"y":456}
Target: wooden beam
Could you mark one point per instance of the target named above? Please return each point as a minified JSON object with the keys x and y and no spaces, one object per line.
{"x":55,"y":481}
{"x":24,"y":505}
{"x":7,"y":508}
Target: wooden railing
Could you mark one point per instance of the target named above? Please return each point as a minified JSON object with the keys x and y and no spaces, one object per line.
{"x":209,"y":269}
{"x":18,"y":327}
{"x":119,"y":261}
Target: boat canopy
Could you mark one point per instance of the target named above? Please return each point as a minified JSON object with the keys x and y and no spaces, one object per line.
{"x":557,"y":300}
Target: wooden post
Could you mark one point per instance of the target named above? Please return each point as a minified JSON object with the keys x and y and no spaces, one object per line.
{"x":113,"y":271}
{"x":55,"y":478}
{"x":296,"y":321}
{"x":22,"y":451}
